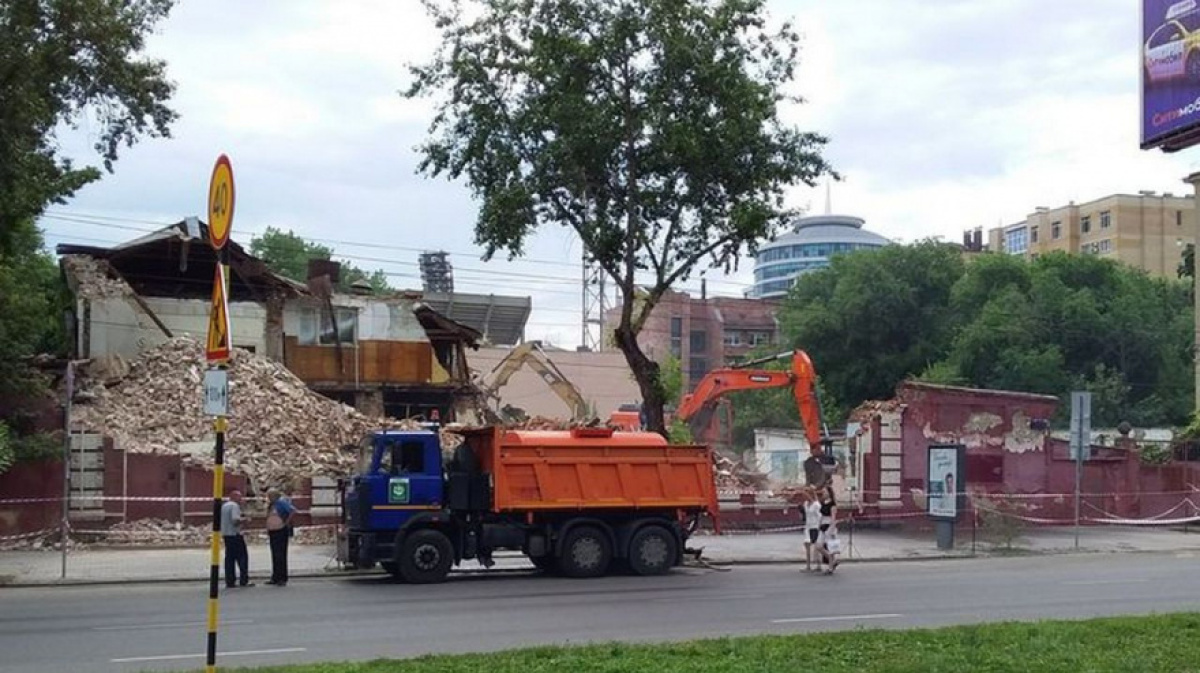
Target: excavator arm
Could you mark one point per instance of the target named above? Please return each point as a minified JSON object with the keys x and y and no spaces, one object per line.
{"x":530,"y":353}
{"x":802,"y":378}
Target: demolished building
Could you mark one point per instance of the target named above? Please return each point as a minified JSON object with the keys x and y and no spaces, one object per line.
{"x":383,"y":354}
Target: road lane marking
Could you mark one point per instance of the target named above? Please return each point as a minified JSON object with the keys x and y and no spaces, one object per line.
{"x":1088,"y":583}
{"x":243,"y":653}
{"x":836,"y":618}
{"x":177,"y":625}
{"x":723,"y":597}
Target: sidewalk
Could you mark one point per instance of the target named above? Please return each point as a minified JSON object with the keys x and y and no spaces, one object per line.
{"x":133,"y":565}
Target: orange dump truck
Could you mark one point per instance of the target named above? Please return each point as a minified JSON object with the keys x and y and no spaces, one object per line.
{"x":575,"y":502}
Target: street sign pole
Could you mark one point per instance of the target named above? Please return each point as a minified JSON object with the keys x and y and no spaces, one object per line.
{"x":216,"y":380}
{"x":1081,"y":440}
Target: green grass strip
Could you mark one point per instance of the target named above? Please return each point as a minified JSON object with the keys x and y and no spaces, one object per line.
{"x":1169,"y":643}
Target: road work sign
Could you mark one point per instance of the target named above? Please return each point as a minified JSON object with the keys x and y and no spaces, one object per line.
{"x":220,"y":203}
{"x":217,"y":343}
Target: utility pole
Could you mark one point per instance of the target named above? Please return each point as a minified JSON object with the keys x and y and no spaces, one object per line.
{"x":595,"y":304}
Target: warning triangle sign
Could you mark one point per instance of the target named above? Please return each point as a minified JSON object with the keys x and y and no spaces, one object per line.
{"x":217,"y":344}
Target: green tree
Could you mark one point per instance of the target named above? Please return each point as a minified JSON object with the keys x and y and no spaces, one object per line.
{"x":651,"y":128}
{"x":671,"y":376}
{"x":1059,"y":323}
{"x":287,"y":254}
{"x":32,"y":305}
{"x":1068,"y":322}
{"x":62,"y":61}
{"x":874,"y":318}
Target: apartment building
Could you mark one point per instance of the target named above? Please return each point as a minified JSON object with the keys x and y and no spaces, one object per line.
{"x":1148,"y":231}
{"x":706,"y":333}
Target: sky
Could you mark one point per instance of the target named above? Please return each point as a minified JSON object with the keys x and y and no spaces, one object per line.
{"x":942,"y":116}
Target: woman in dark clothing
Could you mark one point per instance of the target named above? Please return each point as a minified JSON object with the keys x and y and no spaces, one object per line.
{"x":828,"y":529}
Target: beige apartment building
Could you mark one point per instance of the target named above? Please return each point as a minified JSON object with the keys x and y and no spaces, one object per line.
{"x":1145,"y":230}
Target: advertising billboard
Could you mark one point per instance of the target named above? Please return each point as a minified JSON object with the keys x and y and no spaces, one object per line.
{"x":944,"y":482}
{"x":1170,"y":57}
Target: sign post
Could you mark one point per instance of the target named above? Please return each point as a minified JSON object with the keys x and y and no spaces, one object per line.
{"x":945,"y":486}
{"x":216,"y":379}
{"x":1081,"y":441}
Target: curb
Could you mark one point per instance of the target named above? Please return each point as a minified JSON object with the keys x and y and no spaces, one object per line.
{"x":721,"y":563}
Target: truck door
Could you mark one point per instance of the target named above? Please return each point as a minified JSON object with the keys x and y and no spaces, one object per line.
{"x":408,"y":479}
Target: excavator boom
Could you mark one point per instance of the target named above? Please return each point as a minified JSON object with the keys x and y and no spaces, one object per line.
{"x":802,"y":378}
{"x":531,"y":354}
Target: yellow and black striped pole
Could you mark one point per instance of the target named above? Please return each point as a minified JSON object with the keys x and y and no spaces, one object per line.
{"x":214,"y":570}
{"x":218,"y":349}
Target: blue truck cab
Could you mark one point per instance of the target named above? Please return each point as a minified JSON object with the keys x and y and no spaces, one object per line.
{"x":399,"y":479}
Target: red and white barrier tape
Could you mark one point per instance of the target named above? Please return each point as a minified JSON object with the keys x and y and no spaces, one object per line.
{"x":126,"y":498}
{"x":26,"y":536}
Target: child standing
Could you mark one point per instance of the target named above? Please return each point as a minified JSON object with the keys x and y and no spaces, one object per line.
{"x":812,"y":528}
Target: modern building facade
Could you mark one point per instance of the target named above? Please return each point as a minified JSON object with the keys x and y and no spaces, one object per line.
{"x":809,"y":246}
{"x":1148,"y":231}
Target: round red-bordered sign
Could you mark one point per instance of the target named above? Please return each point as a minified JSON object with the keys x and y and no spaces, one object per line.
{"x":221,"y":198}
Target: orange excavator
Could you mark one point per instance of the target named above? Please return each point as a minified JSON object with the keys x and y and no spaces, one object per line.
{"x":802,"y":378}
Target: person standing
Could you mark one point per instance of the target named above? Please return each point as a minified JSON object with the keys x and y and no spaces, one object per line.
{"x":279,"y":529}
{"x":812,"y":527}
{"x":828,"y":528}
{"x":237,"y":557}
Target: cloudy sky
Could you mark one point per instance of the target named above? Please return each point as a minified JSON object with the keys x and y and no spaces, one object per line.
{"x":943,"y":115}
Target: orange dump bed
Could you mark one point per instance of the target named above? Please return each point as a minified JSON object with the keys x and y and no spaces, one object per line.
{"x":570,"y":470}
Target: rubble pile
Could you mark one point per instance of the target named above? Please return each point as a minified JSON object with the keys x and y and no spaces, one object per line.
{"x":154,"y":532}
{"x":543,"y":423}
{"x":93,"y":280}
{"x":869,"y":409}
{"x":734,"y":474}
{"x":279,"y":430}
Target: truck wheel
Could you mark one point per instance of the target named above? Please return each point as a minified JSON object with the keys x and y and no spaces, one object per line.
{"x":425,"y":557}
{"x":586,"y":552}
{"x":652,"y":551}
{"x":390,"y":567}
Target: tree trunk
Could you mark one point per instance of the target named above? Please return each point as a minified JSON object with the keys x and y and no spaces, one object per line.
{"x":645,"y":372}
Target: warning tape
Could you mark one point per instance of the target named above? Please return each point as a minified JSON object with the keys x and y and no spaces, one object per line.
{"x":26,"y":536}
{"x":1143,"y":522}
{"x":128,"y":498}
{"x":193,"y":530}
{"x":768,"y":493}
{"x":1160,"y":518}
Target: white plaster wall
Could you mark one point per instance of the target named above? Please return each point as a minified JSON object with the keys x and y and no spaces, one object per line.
{"x":391,"y":320}
{"x":118,"y":326}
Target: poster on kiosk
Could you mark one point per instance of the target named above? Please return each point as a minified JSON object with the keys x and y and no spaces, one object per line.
{"x":945,"y":481}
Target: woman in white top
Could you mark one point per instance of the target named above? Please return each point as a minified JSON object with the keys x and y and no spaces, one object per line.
{"x":812,"y":527}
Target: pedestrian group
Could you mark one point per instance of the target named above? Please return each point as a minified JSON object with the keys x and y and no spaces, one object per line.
{"x":821,"y":540}
{"x":280,"y":529}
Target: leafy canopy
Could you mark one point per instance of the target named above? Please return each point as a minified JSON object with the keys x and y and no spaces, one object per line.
{"x":651,"y":128}
{"x":63,"y":61}
{"x":874,"y":317}
{"x":1056,"y":324}
{"x":287,"y":254}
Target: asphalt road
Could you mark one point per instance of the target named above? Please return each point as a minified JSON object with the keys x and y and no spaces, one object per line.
{"x":161,"y":627}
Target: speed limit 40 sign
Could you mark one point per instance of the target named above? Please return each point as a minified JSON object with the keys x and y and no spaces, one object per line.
{"x":220,"y":203}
